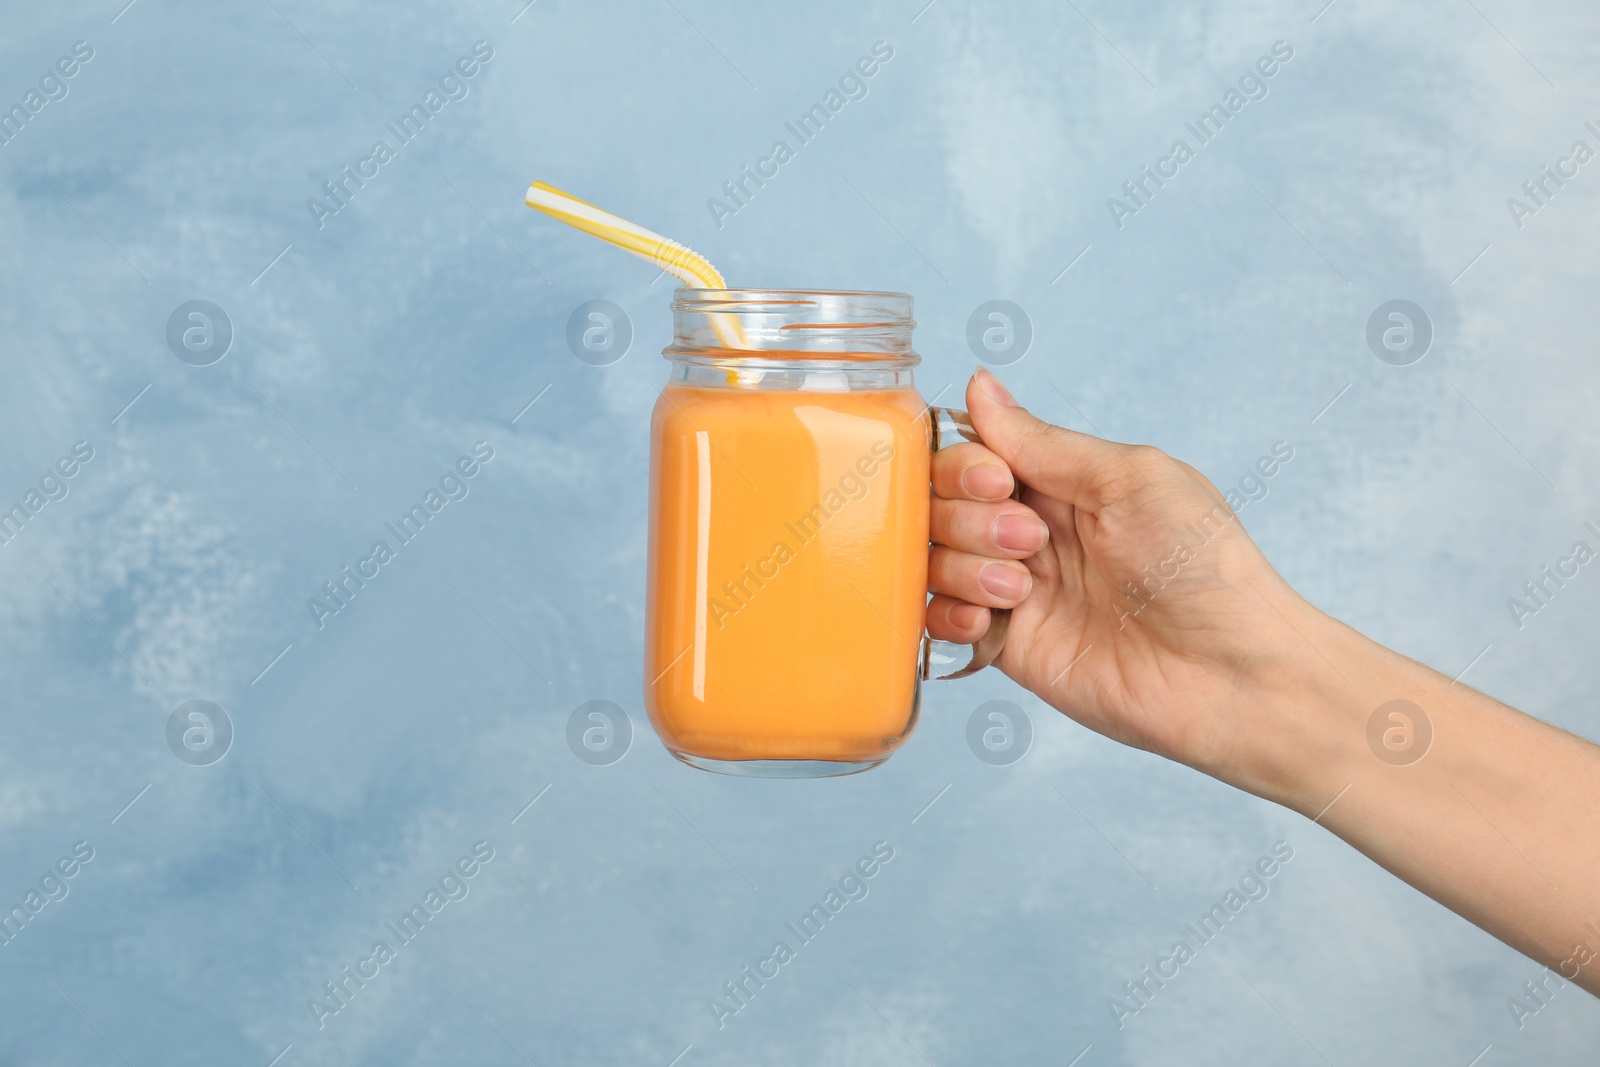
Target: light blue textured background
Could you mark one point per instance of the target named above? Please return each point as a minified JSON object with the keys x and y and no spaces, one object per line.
{"x":424,"y":316}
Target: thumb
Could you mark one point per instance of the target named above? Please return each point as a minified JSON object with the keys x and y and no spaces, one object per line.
{"x":1062,"y":463}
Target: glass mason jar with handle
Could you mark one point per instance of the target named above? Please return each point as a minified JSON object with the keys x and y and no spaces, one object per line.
{"x":789,"y":497}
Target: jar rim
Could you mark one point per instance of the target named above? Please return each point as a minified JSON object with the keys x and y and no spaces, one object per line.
{"x":810,"y":325}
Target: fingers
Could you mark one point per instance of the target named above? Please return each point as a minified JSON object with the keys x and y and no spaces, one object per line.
{"x":978,"y":532}
{"x":968,"y":471}
{"x":1083,"y":470}
{"x":991,"y":583}
{"x":1007,"y":530}
{"x":956,"y":620}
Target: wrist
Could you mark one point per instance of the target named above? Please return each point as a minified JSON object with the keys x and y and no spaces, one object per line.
{"x":1300,"y":732}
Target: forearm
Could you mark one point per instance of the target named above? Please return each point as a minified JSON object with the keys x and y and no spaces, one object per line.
{"x":1497,"y":817}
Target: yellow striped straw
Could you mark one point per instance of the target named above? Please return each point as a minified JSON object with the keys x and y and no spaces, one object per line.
{"x":683,"y":263}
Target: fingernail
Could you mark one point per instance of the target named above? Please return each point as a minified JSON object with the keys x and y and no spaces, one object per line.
{"x":967,"y":616}
{"x":1007,"y":583}
{"x":991,"y":385}
{"x":986,"y":481}
{"x":1020,"y":533}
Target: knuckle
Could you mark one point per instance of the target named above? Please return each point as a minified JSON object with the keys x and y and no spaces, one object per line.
{"x":965,"y":517}
{"x":1138,"y":467}
{"x":1200,"y":483}
{"x":1149,"y":458}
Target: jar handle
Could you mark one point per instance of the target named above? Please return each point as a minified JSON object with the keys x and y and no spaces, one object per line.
{"x":949,"y":425}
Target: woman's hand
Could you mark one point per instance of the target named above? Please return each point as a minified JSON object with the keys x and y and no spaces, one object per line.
{"x":1150,"y":616}
{"x":1140,"y":606}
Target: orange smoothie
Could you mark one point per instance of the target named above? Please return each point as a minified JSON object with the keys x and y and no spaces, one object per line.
{"x":788,"y":571}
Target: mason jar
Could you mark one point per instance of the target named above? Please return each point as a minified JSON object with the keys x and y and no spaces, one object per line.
{"x":788,"y":558}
